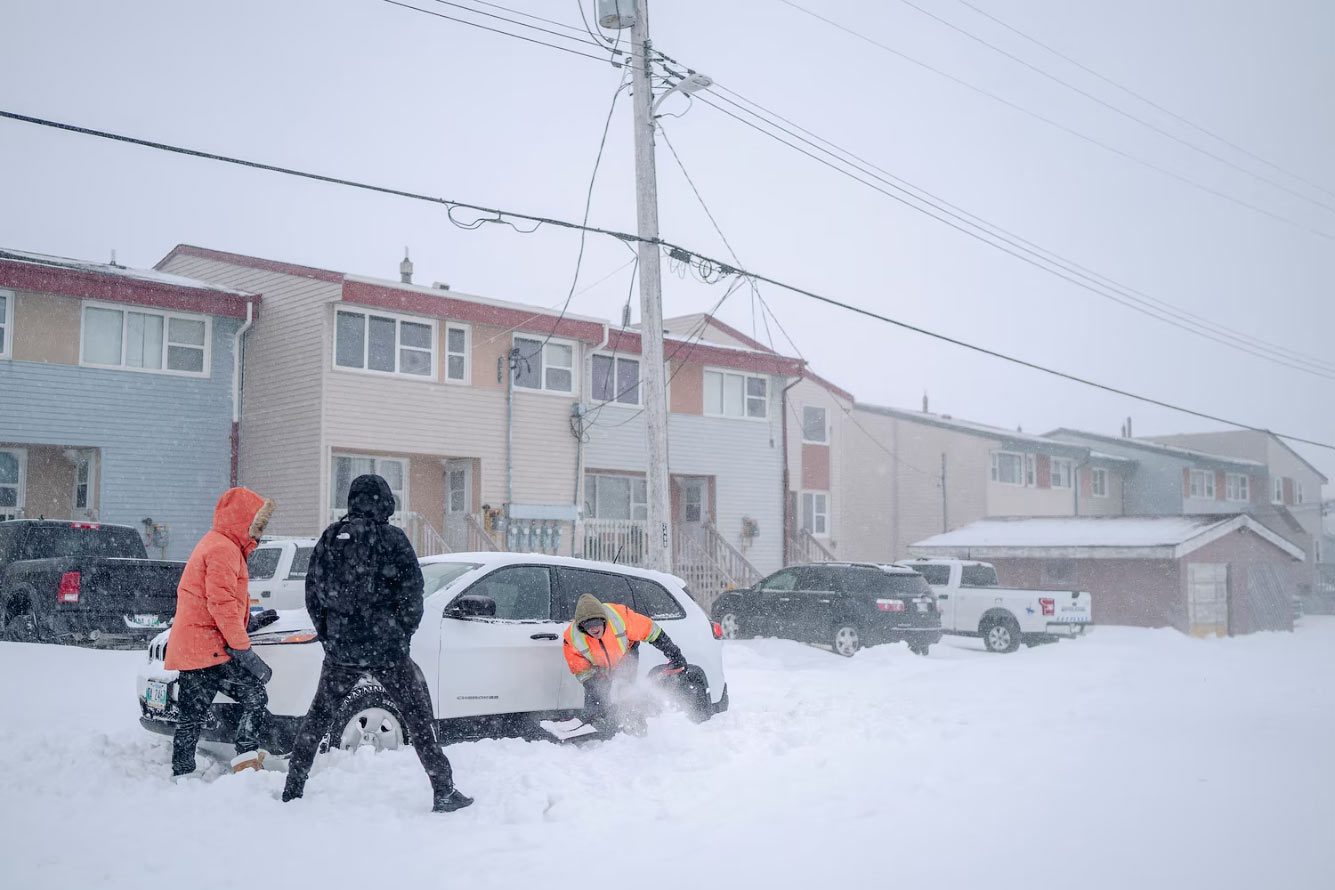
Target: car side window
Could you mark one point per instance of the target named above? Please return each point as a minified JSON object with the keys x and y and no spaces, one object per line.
{"x":785,"y":580}
{"x":607,"y":587}
{"x":301,"y":563}
{"x":652,"y":600}
{"x":936,"y":575}
{"x":522,"y":593}
{"x":263,"y":562}
{"x":816,"y":578}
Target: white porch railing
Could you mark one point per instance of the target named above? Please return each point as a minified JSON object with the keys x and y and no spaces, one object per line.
{"x":804,"y":547}
{"x":616,"y":540}
{"x":423,"y":535}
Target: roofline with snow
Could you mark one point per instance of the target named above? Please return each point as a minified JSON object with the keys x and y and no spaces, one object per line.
{"x":252,"y":262}
{"x":1053,"y":446}
{"x":764,"y":362}
{"x":1159,"y":448}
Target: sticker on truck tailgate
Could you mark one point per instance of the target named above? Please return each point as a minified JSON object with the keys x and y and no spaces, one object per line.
{"x":144,"y":621}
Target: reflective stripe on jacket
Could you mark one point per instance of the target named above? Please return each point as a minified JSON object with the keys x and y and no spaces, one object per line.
{"x":625,"y":627}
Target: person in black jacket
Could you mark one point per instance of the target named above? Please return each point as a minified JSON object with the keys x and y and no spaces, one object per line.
{"x":364,"y":594}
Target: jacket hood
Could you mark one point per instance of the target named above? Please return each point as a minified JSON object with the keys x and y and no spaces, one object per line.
{"x":588,"y":607}
{"x":369,"y":497}
{"x":241,"y":515}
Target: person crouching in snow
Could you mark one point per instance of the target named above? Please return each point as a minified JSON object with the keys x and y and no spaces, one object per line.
{"x":364,"y":594}
{"x":601,"y":643}
{"x":209,"y":644}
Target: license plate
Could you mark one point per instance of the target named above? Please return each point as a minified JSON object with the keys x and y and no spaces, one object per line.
{"x":155,"y":695}
{"x":144,"y":621}
{"x":922,"y":607}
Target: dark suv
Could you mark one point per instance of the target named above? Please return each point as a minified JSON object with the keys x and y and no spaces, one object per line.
{"x":841,"y":605}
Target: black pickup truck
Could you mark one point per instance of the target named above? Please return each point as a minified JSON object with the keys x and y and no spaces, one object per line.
{"x":74,"y":582}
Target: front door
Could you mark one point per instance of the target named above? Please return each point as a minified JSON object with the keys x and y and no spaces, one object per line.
{"x":1207,"y":598}
{"x":458,"y":503}
{"x":693,"y":508}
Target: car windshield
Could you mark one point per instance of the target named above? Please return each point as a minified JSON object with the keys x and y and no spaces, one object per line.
{"x":438,"y":575}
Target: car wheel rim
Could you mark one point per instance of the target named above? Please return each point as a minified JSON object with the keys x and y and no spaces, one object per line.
{"x":999,"y":637}
{"x":375,"y":728}
{"x":846,"y":641}
{"x":730,"y":626}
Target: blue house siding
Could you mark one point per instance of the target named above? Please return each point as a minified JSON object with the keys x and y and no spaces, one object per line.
{"x":165,"y":441}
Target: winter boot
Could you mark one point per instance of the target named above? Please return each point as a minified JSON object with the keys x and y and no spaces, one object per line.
{"x":293,"y":787}
{"x":449,"y":801}
{"x":249,"y":760}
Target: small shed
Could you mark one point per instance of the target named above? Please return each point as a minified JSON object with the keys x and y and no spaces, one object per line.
{"x":1200,"y":574}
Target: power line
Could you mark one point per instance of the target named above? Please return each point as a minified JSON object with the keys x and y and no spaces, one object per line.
{"x":1066,"y":270}
{"x":1063,"y":127}
{"x":1148,"y":101}
{"x":441,"y":15}
{"x":1106,"y":104}
{"x":529,"y":15}
{"x":627,"y":237}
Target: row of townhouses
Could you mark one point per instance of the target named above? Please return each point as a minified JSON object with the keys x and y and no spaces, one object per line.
{"x":135,"y":396}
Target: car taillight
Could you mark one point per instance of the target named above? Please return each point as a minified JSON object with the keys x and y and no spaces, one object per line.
{"x":93,"y":525}
{"x":718,"y":630}
{"x":890,"y":605}
{"x":1048,"y":605}
{"x":68,"y":591}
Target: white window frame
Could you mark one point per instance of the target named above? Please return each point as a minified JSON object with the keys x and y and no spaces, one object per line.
{"x":616,"y":382}
{"x":16,"y":511}
{"x":639,"y":508}
{"x":1237,"y":487}
{"x":1098,"y":482}
{"x":1206,"y":490}
{"x":467,"y":355}
{"x":124,"y":309}
{"x":1022,"y":467}
{"x":377,"y":460}
{"x":824,"y":426}
{"x":398,"y":319}
{"x":1276,"y":489}
{"x":746,"y":396}
{"x":7,"y":324}
{"x":549,"y":342}
{"x":819,"y":516}
{"x":1298,"y":496}
{"x":1056,"y":476}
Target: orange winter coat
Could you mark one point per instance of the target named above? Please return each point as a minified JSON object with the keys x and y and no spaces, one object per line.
{"x":625,"y":627}
{"x":213,"y":600}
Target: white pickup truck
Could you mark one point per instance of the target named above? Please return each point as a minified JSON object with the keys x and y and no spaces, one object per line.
{"x":278,"y":573}
{"x":972,"y":604}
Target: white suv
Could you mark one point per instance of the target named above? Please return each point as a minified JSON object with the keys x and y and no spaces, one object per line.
{"x":489,"y":645}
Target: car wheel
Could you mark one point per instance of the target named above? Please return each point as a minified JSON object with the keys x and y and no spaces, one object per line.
{"x":845,"y":640}
{"x":919,"y":648}
{"x":21,"y":625}
{"x":368,"y":718}
{"x":1001,"y":635}
{"x":731,"y":623}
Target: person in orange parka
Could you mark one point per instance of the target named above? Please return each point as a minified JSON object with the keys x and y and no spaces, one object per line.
{"x":209,"y":643}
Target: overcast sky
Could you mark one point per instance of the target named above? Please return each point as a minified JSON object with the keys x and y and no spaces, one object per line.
{"x":366,"y":90}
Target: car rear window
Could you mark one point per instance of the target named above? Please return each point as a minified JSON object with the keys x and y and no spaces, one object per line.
{"x":875,"y":581}
{"x":50,"y":541}
{"x":938,"y":576}
{"x":263,"y":562}
{"x":978,"y":576}
{"x":301,"y":563}
{"x":652,"y":600}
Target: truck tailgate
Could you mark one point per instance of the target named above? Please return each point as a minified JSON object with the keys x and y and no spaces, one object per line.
{"x":1071,"y":608}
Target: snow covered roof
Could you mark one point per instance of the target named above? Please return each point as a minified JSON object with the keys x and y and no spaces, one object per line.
{"x":1065,"y":434}
{"x":969,"y":427}
{"x":148,"y":275}
{"x":1093,"y":537}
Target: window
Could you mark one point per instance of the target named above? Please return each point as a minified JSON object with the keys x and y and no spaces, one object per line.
{"x":978,"y":576}
{"x":456,"y":353}
{"x":1298,"y":492}
{"x":1061,"y":473}
{"x":609,"y":588}
{"x":936,"y":575}
{"x":386,"y":344}
{"x":301,"y":562}
{"x":1008,"y":468}
{"x":816,"y":513}
{"x":549,"y":368}
{"x":813,"y":426}
{"x":13,"y":463}
{"x":6,"y":321}
{"x":1277,"y":490}
{"x":263,"y":562}
{"x":1098,"y":483}
{"x":818,"y":578}
{"x":522,"y":593}
{"x":615,"y":497}
{"x":348,"y":467}
{"x":1237,"y":487}
{"x":436,"y":576}
{"x":145,"y":340}
{"x":736,"y":395}
{"x":780,"y":581}
{"x":1201,"y":484}
{"x":616,"y":379}
{"x":876,"y":581}
{"x":652,"y":600}
{"x":81,"y":473}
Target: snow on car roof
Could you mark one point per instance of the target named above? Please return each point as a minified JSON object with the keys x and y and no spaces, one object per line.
{"x":490,"y":558}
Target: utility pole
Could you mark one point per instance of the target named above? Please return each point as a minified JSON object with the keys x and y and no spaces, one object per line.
{"x":658,"y":553}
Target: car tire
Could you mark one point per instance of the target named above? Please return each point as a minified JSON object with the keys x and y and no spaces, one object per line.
{"x":368,"y":717}
{"x":845,"y":639}
{"x":21,"y":625}
{"x":919,"y":648}
{"x":731,"y":623}
{"x":1001,"y":635}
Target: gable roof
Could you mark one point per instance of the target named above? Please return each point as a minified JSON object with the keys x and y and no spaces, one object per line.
{"x":1094,"y":537}
{"x":1160,"y":448}
{"x":1009,"y":438}
{"x":251,"y":262}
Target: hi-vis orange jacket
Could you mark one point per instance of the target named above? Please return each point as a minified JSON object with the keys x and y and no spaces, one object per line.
{"x":624,"y":627}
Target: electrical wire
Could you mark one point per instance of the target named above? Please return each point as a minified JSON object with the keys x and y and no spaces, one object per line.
{"x":1063,"y":127}
{"x":529,"y":15}
{"x":627,"y":237}
{"x":1143,"y":98}
{"x":451,"y":18}
{"x":1106,"y":104}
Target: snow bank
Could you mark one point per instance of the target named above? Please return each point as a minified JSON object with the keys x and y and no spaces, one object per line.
{"x":1131,"y":757}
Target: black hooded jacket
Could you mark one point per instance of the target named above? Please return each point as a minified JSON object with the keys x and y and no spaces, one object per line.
{"x":364,"y":586}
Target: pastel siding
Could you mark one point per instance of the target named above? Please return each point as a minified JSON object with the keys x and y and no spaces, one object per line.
{"x":838,"y":429}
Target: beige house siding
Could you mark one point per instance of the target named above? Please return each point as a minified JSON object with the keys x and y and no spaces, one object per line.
{"x":1025,"y":500}
{"x":47,"y":328}
{"x":282,"y":454}
{"x":808,"y":393}
{"x":1089,"y":505}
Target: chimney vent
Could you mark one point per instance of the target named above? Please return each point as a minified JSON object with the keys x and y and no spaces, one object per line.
{"x":406,"y":268}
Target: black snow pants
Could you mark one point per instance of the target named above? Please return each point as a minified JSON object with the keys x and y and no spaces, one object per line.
{"x":195,"y":692}
{"x":404,"y":683}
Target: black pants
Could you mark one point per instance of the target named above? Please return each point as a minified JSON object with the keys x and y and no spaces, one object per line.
{"x":404,"y":683}
{"x":195,"y":692}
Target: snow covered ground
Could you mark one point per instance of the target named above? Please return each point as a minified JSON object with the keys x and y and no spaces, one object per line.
{"x":1129,"y":759}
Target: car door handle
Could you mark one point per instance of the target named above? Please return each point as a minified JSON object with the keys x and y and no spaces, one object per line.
{"x":542,"y":637}
{"x":825,"y":601}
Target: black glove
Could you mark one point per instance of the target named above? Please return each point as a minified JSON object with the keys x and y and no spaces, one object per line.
{"x":251,"y":662}
{"x":261,"y":620}
{"x":664,"y":644}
